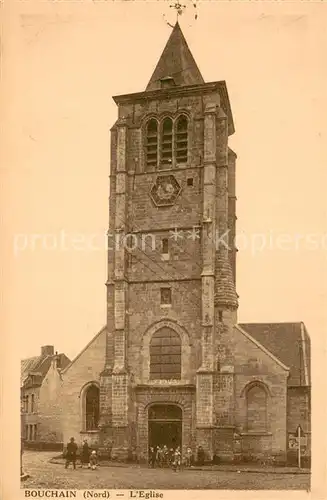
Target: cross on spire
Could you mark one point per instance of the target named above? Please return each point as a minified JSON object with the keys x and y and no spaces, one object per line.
{"x":179,"y":8}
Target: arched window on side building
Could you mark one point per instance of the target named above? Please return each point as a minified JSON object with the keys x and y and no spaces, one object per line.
{"x":256,"y":408}
{"x":92,"y":407}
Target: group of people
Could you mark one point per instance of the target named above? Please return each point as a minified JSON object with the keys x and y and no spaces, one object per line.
{"x":88,"y":457}
{"x":162,"y":456}
{"x":159,"y":456}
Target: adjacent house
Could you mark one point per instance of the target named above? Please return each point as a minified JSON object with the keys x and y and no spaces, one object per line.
{"x":39,"y":419}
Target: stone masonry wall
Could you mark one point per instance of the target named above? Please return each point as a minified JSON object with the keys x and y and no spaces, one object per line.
{"x":298,"y":406}
{"x":185,"y":297}
{"x":51,"y":410}
{"x":85,"y":368}
{"x":253,"y":364}
{"x":299,"y":413}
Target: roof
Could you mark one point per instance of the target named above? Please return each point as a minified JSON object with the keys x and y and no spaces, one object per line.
{"x":289,"y":342}
{"x":39,"y":366}
{"x":176,"y":62}
{"x":27,"y":365}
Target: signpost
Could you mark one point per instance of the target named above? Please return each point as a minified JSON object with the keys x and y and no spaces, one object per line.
{"x":301,"y":440}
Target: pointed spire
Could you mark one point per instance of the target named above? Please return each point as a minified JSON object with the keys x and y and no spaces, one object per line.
{"x":176,"y":62}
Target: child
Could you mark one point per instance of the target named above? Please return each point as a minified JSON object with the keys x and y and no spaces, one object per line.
{"x":177,"y":459}
{"x":93,"y":460}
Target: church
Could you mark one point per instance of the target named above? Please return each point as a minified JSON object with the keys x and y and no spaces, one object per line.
{"x":173,"y":366}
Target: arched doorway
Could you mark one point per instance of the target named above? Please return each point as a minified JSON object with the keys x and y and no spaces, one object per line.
{"x":165,"y":425}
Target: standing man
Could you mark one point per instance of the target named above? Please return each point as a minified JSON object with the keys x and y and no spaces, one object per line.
{"x":71,"y":453}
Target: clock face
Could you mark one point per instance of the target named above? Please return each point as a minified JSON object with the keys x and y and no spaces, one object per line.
{"x":165,"y":191}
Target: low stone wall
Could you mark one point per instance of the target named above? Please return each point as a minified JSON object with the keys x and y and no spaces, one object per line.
{"x":43,"y":446}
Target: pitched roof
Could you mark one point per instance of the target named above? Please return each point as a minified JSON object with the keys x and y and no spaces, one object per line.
{"x":26,"y":366}
{"x":177,"y":62}
{"x":289,"y":342}
{"x":39,"y":366}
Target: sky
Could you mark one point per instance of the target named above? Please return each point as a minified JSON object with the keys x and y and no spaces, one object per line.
{"x":67,"y":60}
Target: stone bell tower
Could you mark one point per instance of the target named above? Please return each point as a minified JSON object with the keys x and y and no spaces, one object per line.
{"x":171,"y":264}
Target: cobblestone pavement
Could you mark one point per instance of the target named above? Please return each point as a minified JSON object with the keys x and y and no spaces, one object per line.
{"x":44,"y":474}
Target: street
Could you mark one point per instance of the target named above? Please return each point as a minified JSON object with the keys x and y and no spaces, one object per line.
{"x":44,"y":474}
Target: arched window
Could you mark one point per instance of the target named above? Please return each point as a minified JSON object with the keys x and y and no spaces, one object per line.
{"x":165,"y":355}
{"x":92,"y":408}
{"x":166,"y":156}
{"x":181,"y":139}
{"x":152,"y":143}
{"x":256,"y":405}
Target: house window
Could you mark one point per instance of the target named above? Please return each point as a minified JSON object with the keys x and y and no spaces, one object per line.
{"x":92,"y":408}
{"x":152,"y":143}
{"x":256,"y":406}
{"x":166,"y":156}
{"x":181,"y":139}
{"x":165,"y":296}
{"x":26,"y":431}
{"x":220,"y":316}
{"x":30,"y":437}
{"x":165,"y":355}
{"x":164,"y":246}
{"x":32,"y":403}
{"x":190,"y":181}
{"x":26,"y":404}
{"x":34,"y":432}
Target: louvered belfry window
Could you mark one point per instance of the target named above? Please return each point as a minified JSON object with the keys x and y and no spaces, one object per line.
{"x":167,"y":142}
{"x":165,"y":355}
{"x":181,"y":139}
{"x":152,"y":143}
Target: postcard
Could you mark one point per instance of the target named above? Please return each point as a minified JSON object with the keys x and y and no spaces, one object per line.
{"x":165,"y":206}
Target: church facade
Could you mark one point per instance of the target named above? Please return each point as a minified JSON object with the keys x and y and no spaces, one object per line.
{"x":173,"y":366}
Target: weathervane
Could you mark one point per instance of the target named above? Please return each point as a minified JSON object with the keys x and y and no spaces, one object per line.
{"x":179,"y":9}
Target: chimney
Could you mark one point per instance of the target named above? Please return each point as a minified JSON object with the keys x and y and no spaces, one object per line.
{"x":47,"y":350}
{"x":55,"y":361}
